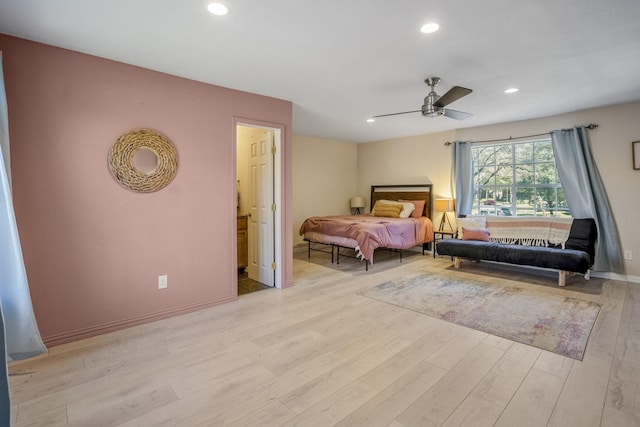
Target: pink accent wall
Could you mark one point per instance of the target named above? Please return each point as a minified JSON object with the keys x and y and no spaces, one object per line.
{"x":93,"y":250}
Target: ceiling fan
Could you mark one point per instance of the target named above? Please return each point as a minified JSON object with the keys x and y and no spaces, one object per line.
{"x":434,"y":104}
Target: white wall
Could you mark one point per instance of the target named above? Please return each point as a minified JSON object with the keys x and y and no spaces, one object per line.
{"x":422,"y":159}
{"x":425,"y":158}
{"x":619,"y":125}
{"x":325,"y":177}
{"x":327,"y":173}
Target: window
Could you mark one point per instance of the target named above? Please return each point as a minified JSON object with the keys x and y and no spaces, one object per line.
{"x":518,"y":178}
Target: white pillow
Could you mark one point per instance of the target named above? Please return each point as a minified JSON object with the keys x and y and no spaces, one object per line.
{"x":476,"y":222}
{"x":407,"y":208}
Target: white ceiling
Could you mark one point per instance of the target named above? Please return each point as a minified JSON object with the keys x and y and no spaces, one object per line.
{"x":342,"y":61}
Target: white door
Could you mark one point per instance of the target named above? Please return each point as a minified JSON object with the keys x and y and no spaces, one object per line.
{"x":261,"y":223}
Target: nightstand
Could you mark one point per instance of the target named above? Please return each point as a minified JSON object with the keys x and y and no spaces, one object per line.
{"x":440,"y":235}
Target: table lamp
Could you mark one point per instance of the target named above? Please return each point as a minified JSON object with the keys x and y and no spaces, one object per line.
{"x":357,"y":202}
{"x":445,"y":205}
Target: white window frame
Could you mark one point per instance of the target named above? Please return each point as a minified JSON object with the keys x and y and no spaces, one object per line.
{"x":511,"y":207}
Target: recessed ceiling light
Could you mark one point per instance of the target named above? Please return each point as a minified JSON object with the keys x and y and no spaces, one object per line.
{"x":371,"y":120}
{"x":217,"y":9}
{"x":511,"y":90}
{"x":431,"y":27}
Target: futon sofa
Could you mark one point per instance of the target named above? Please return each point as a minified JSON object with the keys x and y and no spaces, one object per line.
{"x":573,"y":255}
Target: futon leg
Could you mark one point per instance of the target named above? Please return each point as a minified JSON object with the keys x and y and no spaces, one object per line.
{"x":561,"y":277}
{"x":456,"y":262}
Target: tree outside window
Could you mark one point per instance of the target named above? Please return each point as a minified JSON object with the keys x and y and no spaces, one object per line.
{"x":517,"y":179}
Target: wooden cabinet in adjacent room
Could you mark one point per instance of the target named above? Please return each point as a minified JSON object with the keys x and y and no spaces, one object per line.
{"x":243,"y":242}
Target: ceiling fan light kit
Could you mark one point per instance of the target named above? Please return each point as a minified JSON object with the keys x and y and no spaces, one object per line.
{"x":434,"y":104}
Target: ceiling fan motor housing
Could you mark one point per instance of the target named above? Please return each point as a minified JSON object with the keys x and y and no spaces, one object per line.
{"x":434,"y":104}
{"x":430,"y":110}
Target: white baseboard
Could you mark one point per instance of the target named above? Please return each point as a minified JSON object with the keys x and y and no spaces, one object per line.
{"x":598,"y":274}
{"x":616,"y":276}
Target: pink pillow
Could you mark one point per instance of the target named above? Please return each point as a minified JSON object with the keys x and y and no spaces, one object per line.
{"x":475,"y":234}
{"x":418,"y":211}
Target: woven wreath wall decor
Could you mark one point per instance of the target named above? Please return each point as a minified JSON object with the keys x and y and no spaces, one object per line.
{"x":121,"y":161}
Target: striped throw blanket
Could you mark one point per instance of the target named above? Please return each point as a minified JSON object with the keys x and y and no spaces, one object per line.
{"x":531,"y":231}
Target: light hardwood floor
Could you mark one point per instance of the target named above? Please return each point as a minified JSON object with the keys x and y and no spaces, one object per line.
{"x":318,"y":354}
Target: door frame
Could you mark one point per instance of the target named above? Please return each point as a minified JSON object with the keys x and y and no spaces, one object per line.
{"x":278,"y":134}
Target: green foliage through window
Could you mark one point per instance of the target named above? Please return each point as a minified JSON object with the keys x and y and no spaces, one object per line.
{"x":518,"y":178}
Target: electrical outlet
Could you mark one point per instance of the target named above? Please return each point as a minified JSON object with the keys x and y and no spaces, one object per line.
{"x":628,"y":255}
{"x":162,"y":281}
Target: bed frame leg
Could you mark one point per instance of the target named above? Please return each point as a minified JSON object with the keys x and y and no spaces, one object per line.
{"x":366,"y":265}
{"x":456,"y":262}
{"x":561,"y":277}
{"x":400,"y":255}
{"x":309,"y":249}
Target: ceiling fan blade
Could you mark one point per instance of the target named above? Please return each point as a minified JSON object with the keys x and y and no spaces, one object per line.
{"x":453,"y":94}
{"x":458,"y":115}
{"x":395,"y":114}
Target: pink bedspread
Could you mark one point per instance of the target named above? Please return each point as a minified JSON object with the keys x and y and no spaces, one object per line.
{"x":373,"y":232}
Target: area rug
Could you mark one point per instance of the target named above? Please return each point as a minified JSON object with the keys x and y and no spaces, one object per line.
{"x":527,"y":314}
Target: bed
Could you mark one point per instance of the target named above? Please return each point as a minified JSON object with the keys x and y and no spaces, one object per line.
{"x":362,"y":235}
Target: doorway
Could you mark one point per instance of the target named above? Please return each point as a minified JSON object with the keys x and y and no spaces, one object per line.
{"x":258,"y":178}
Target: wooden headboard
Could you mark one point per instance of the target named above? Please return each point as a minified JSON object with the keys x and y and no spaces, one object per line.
{"x":405,"y":192}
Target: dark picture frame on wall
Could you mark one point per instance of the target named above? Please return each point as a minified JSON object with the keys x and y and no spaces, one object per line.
{"x":635,"y":149}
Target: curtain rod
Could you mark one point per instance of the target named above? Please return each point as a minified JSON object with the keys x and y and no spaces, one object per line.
{"x":590,"y":126}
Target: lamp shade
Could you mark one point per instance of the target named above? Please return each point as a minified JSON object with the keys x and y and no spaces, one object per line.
{"x":444,"y":205}
{"x":357,"y":202}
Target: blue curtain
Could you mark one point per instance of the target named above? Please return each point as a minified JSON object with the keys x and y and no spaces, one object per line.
{"x":462,"y":177}
{"x":20,"y":337}
{"x":586,"y":195}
